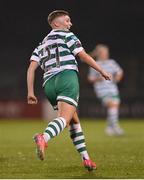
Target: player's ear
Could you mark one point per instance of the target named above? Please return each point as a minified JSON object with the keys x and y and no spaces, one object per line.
{"x":56,"y":23}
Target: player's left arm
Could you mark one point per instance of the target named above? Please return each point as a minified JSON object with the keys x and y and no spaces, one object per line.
{"x":94,"y":76}
{"x":92,"y":63}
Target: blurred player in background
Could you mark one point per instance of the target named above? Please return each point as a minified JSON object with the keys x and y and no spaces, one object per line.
{"x":57,"y":57}
{"x":107,"y":91}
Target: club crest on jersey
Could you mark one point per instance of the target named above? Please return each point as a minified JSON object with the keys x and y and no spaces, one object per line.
{"x":78,"y":44}
{"x":53,"y":37}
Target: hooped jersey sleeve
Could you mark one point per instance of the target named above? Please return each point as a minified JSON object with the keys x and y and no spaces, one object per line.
{"x":73,"y":43}
{"x":35,"y":56}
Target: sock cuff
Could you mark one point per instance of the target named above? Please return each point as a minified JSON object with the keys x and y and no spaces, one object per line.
{"x":63,"y":121}
{"x":54,"y":128}
{"x":76,"y":127}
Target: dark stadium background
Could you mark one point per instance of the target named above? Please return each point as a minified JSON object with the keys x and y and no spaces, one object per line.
{"x":119,"y":24}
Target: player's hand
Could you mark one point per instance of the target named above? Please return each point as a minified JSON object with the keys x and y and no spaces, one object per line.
{"x":106,"y":75}
{"x":31,"y":99}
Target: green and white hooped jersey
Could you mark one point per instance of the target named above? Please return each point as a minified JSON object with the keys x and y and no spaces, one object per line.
{"x":106,"y":88}
{"x":57,"y":53}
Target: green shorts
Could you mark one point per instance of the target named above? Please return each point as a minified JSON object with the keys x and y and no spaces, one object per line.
{"x":63,"y":87}
{"x":106,"y":99}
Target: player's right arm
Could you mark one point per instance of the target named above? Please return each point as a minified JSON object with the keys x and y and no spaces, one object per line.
{"x":94,"y":76}
{"x":94,"y":79}
{"x":91,"y":62}
{"x":76,"y":48}
{"x":31,"y":98}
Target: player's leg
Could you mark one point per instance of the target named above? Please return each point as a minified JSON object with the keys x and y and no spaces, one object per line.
{"x":112,"y":112}
{"x":55,"y":127}
{"x":113,"y":127}
{"x":78,"y":139}
{"x":65,"y":114}
{"x":59,"y":89}
{"x":77,"y":136}
{"x":66,"y":87}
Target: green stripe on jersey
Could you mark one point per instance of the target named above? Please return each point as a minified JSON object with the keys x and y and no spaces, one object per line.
{"x":71,"y":37}
{"x":59,"y":45}
{"x":52,"y":56}
{"x":61,"y":54}
{"x":35,"y":54}
{"x":72,"y":47}
{"x":56,"y":36}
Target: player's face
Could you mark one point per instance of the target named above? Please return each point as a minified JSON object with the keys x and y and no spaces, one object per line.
{"x":64,"y":22}
{"x":103,"y":53}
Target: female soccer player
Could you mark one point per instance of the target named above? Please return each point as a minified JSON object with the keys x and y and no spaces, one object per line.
{"x":107,"y":91}
{"x":56,"y":56}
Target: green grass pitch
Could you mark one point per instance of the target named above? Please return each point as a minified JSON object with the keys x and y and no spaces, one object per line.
{"x":116,"y":157}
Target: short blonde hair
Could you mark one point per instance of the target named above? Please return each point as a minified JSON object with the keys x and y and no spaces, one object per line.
{"x":55,"y":14}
